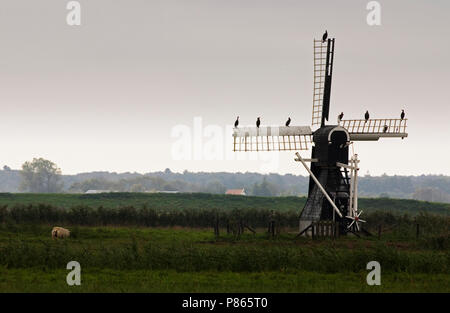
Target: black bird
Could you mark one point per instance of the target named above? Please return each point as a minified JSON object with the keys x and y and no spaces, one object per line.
{"x":288,"y":121}
{"x":366,"y":116}
{"x":341,"y":116}
{"x":236,"y":123}
{"x":385,"y":128}
{"x":402,"y":116}
{"x":325,"y":36}
{"x":258,"y":122}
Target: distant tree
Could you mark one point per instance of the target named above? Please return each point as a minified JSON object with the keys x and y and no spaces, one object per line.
{"x":40,"y":175}
{"x":264,"y":189}
{"x":175,"y":185}
{"x":215,"y":186}
{"x":6,"y":168}
{"x":137,"y":188}
{"x":95,"y":184}
{"x":158,"y":183}
{"x":431,"y":194}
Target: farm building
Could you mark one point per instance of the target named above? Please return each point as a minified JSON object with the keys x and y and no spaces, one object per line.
{"x":238,"y":192}
{"x":97,"y":191}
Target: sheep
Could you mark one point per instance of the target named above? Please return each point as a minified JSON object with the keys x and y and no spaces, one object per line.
{"x":59,"y":232}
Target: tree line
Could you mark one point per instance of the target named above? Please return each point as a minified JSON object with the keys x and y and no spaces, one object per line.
{"x":40,"y":175}
{"x":143,"y":216}
{"x":402,"y":225}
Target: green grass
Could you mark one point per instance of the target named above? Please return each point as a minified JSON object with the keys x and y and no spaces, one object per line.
{"x":108,"y":280}
{"x":129,"y":259}
{"x":155,"y":200}
{"x":209,"y":201}
{"x":135,"y":258}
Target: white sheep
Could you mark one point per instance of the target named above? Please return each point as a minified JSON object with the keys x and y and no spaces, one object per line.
{"x":59,"y":232}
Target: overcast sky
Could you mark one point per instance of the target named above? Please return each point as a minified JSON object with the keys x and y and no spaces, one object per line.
{"x":108,"y":94}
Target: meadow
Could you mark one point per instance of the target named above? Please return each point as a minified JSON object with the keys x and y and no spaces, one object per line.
{"x":204,"y":201}
{"x":165,"y":243}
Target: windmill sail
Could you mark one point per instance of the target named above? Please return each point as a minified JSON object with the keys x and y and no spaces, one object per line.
{"x":275,"y":138}
{"x":323,"y":71}
{"x":374,"y":129}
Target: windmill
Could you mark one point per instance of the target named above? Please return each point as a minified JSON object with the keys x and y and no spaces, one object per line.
{"x":333,"y":183}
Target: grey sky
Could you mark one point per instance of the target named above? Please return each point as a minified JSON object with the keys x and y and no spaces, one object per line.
{"x":105,"y":95}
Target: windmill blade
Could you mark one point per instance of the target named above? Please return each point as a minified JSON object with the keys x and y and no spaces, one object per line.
{"x":272,"y":138}
{"x":351,"y":224}
{"x":357,"y":226}
{"x":323,"y":70}
{"x":374,"y":129}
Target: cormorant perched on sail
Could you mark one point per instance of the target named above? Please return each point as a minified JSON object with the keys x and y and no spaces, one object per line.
{"x":288,"y":121}
{"x":325,"y":36}
{"x":385,"y":128}
{"x":236,"y":123}
{"x":402,"y":116}
{"x":366,"y":116}
{"x":341,"y":116}
{"x":258,"y":122}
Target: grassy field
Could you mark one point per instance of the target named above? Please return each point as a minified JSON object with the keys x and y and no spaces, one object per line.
{"x":129,"y":259}
{"x":203,"y":201}
{"x":124,"y":255}
{"x":108,"y":280}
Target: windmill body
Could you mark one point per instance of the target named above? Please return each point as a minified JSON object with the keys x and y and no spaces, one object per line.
{"x":330,"y":148}
{"x":332,"y":193}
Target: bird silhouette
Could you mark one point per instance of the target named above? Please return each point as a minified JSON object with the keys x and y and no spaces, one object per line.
{"x":325,"y":36}
{"x":288,"y":121}
{"x":385,"y":128}
{"x":341,"y":116}
{"x":236,"y":123}
{"x":258,"y":122}
{"x":366,"y":116}
{"x":402,"y":116}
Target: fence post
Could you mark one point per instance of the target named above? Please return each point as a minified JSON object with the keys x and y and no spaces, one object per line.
{"x":216,"y":226}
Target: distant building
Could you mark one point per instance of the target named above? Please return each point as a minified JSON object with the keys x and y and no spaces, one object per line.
{"x":162,"y":191}
{"x":98,"y":191}
{"x":238,"y":192}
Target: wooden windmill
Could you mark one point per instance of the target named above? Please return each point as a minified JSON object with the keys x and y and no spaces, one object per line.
{"x":333,"y":184}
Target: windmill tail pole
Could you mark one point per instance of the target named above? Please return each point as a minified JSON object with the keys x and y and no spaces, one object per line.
{"x":319,"y":185}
